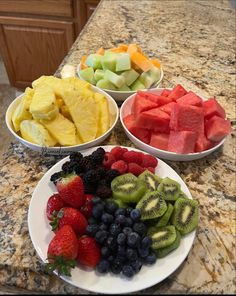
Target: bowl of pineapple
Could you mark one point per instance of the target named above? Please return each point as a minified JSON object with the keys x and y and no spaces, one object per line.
{"x":58,"y":116}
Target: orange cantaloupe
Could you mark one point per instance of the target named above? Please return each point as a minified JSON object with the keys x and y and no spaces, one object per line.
{"x":83,"y":60}
{"x":100,"y":51}
{"x":156,"y":63}
{"x":124,"y":47}
{"x":133,"y":48}
{"x":141,"y":61}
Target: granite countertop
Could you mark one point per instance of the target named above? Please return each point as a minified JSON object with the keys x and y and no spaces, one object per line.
{"x":196,"y":43}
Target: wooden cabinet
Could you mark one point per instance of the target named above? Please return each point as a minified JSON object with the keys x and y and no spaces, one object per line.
{"x":35,"y":38}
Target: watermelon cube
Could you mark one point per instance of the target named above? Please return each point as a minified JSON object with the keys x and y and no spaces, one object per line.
{"x":190,"y":99}
{"x":159,"y":100}
{"x":177,"y":92}
{"x":140,"y":104}
{"x":182,"y":142}
{"x":140,"y":133}
{"x":187,"y":118}
{"x":130,"y":76}
{"x":202,"y":143}
{"x":94,"y":61}
{"x":115,"y":79}
{"x":123,"y":62}
{"x":137,"y":85}
{"x":167,"y":107}
{"x":154,"y":119}
{"x":159,"y":140}
{"x":211,"y":108}
{"x":217,"y":128}
{"x":88,"y":75}
{"x":166,"y":92}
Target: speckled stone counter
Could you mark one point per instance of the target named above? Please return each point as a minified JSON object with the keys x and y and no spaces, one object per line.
{"x":195,"y":40}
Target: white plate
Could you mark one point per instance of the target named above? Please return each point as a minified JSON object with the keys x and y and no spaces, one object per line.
{"x":41,"y":235}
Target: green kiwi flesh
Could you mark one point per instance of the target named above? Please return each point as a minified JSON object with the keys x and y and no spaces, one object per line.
{"x":151,"y":181}
{"x":170,"y":189}
{"x":127,"y":188}
{"x":166,"y":217}
{"x":166,"y":250}
{"x":162,"y":236}
{"x":119,"y":203}
{"x":185,"y":215}
{"x":151,"y":205}
{"x":182,"y":195}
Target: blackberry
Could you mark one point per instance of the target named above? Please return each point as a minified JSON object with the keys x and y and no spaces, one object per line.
{"x":91,"y":177}
{"x":90,"y":188}
{"x":67,"y":167}
{"x":101,"y":172}
{"x":84,"y":164}
{"x":56,"y":176}
{"x":104,"y":192}
{"x":97,"y":156}
{"x":110,"y":175}
{"x":77,"y":156}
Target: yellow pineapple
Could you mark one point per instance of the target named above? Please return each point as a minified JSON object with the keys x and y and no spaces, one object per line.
{"x":76,"y":82}
{"x":104,"y":114}
{"x":34,"y":132}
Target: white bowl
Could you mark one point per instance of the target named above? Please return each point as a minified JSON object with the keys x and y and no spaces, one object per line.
{"x":121,"y":96}
{"x":126,"y":110}
{"x":60,"y":150}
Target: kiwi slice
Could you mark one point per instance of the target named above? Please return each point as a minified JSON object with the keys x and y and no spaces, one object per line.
{"x":166,"y":250}
{"x":119,"y":203}
{"x":151,"y":205}
{"x":127,"y":188}
{"x":151,"y":181}
{"x":182,"y":195}
{"x":169,"y":188}
{"x":185,"y":215}
{"x":166,"y":217}
{"x":162,"y":236}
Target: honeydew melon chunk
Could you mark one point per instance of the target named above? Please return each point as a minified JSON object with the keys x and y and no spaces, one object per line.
{"x":98,"y":75}
{"x":123,"y":62}
{"x":94,"y":61}
{"x":117,"y":80}
{"x":124,"y":87}
{"x":88,"y":75}
{"x":137,"y":85}
{"x":108,"y":61}
{"x":105,"y":84}
{"x":130,"y":76}
{"x":155,"y":73}
{"x":147,"y":79}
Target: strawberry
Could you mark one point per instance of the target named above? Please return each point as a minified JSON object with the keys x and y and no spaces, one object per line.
{"x":149,"y":161}
{"x":86,"y":209}
{"x":135,"y":169}
{"x":133,"y":156}
{"x":72,"y":217}
{"x":120,"y":166}
{"x":89,"y":253}
{"x":118,"y":152}
{"x":108,"y":160}
{"x":151,"y":169}
{"x":71,"y":190}
{"x":54,"y":204}
{"x":62,"y":251}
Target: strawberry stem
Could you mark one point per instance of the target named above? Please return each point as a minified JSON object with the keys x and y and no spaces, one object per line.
{"x":59,"y":263}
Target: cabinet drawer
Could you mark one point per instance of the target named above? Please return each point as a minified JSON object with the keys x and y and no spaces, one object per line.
{"x":62,"y":8}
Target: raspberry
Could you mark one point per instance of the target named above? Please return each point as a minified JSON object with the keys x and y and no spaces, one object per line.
{"x":151,"y":169}
{"x":149,"y":161}
{"x":135,"y":169}
{"x":118,"y":151}
{"x":108,"y":160}
{"x":133,"y":156}
{"x":120,"y":166}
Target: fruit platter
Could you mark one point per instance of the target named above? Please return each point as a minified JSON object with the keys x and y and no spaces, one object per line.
{"x":112,"y":216}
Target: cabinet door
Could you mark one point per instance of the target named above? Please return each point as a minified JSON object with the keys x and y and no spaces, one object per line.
{"x":90,"y":7}
{"x":33,"y":47}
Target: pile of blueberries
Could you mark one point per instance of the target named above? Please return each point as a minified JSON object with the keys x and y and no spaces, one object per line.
{"x":125,"y":246}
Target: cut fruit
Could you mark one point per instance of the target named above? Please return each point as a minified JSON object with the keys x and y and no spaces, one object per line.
{"x":88,"y":75}
{"x":105,"y":84}
{"x":127,"y":188}
{"x":156,"y":63}
{"x":182,"y":195}
{"x":163,"y":220}
{"x":182,"y":142}
{"x":167,"y":107}
{"x":217,"y":128}
{"x":130,"y":76}
{"x":152,"y":205}
{"x":162,"y":252}
{"x":170,"y":189}
{"x":154,"y":119}
{"x":150,"y":77}
{"x":162,"y":236}
{"x":141,"y":61}
{"x":166,"y":92}
{"x":177,"y":92}
{"x":123,"y":62}
{"x":190,"y":99}
{"x":133,"y":48}
{"x":103,"y":114}
{"x":150,"y":180}
{"x":211,"y":108}
{"x":185,"y":215}
{"x":124,"y":87}
{"x":108,"y":61}
{"x":94,"y":61}
{"x":115,"y":79}
{"x":159,"y":140}
{"x":98,"y":75}
{"x":137,"y":85}
{"x":202,"y":143}
{"x":159,"y":100}
{"x":140,"y":104}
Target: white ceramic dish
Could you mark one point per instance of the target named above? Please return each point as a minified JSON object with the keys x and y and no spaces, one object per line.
{"x":41,"y":235}
{"x":126,"y":110}
{"x":114,"y":115}
{"x":121,"y":96}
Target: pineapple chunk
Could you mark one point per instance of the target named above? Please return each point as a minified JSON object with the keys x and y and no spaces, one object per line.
{"x":104,"y":114}
{"x":62,"y":129}
{"x":43,"y":105}
{"x":84,"y":112}
{"x":76,"y":82}
{"x":34,"y":132}
{"x":22,"y":110}
{"x":78,"y":139}
{"x":65,"y":112}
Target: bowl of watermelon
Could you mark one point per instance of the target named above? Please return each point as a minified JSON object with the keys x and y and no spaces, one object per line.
{"x":174,"y":124}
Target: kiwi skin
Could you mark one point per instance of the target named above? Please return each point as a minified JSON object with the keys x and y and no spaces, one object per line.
{"x":165,"y":251}
{"x":163,"y":221}
{"x":167,"y":238}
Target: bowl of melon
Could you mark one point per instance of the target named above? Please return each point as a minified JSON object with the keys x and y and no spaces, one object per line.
{"x":121,"y":71}
{"x":174,"y":124}
{"x":58,"y":116}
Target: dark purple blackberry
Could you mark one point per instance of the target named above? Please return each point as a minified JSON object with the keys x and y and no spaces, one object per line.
{"x":101,"y":171}
{"x":91,"y":177}
{"x":110,"y":175}
{"x":56,"y":176}
{"x":97,"y":156}
{"x":77,"y":156}
{"x":67,"y":167}
{"x":104,"y":192}
{"x":85,"y":164}
{"x":89,"y":188}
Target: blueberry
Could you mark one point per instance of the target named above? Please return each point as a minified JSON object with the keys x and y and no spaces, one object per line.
{"x":114,"y":229}
{"x":128,"y":211}
{"x":121,"y":251}
{"x":133,"y":239}
{"x":103,"y":266}
{"x":97,"y":210}
{"x":101,"y":236}
{"x":146,"y":242}
{"x":92,"y":220}
{"x":111,"y":207}
{"x":116,"y":266}
{"x":121,"y":239}
{"x":140,"y":228}
{"x":92,"y":229}
{"x":105,"y":252}
{"x":143,"y":252}
{"x":127,"y":230}
{"x":137,"y":264}
{"x":135,"y":215}
{"x":96,"y":200}
{"x":128,"y":222}
{"x":111,"y":243}
{"x":131,"y":254}
{"x":128,"y":271}
{"x":110,"y":258}
{"x":151,"y":258}
{"x":107,"y":218}
{"x":103,"y":226}
{"x":120,"y":212}
{"x":120,"y":219}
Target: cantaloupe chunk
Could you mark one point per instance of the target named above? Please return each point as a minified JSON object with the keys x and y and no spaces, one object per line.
{"x":132,"y":48}
{"x":141,"y":61}
{"x":101,"y":51}
{"x":83,"y":64}
{"x":156,"y":63}
{"x":116,"y":50}
{"x":124,"y":47}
